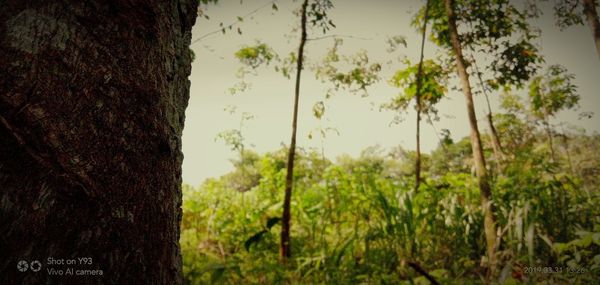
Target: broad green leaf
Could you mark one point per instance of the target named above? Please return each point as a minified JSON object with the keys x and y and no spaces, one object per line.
{"x":253,"y":239}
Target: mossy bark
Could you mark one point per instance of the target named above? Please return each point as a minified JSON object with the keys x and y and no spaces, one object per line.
{"x":92,"y":101}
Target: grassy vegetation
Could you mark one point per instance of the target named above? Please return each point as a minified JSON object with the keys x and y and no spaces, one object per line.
{"x":359,"y":220}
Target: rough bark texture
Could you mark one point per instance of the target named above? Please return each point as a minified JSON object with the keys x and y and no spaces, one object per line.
{"x":285,"y":250}
{"x":92,"y":101}
{"x":482,"y":178}
{"x":591,"y":14}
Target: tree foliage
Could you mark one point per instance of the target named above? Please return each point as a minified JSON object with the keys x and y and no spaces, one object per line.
{"x":361,"y":220}
{"x":497,"y":29}
{"x":256,"y":55}
{"x":552,"y":92}
{"x":357,"y":219}
{"x":433,"y":86}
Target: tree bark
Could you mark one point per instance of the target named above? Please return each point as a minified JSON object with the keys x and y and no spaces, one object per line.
{"x":92,"y":101}
{"x":496,"y":146}
{"x":418,"y":148}
{"x":285,"y":250}
{"x":478,"y":157}
{"x":589,"y":9}
{"x":418,"y":101}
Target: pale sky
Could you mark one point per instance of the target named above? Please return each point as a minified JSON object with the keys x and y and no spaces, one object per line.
{"x":358,"y":120}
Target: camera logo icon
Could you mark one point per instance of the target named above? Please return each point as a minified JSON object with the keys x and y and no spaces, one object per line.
{"x":23,"y":266}
{"x":35,"y":266}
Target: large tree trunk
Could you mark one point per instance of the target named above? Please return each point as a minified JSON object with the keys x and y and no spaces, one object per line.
{"x":482,"y":178}
{"x":589,"y":9}
{"x":92,"y":101}
{"x":285,"y":248}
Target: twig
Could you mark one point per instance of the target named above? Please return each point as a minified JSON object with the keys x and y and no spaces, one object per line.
{"x":430,"y":121}
{"x":340,"y":36}
{"x":422,"y":271}
{"x":234,"y":23}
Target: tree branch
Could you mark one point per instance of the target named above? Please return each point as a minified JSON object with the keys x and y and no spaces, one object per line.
{"x":423,"y":272}
{"x":339,"y":36}
{"x":234,"y":23}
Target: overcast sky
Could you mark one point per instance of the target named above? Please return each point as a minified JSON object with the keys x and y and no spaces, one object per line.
{"x":358,"y":120}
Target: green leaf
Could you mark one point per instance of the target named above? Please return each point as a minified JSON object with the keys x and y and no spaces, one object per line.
{"x":585,"y":241}
{"x":238,"y":271}
{"x":559,"y":247}
{"x":319,"y":109}
{"x":342,"y":250}
{"x":253,"y":239}
{"x":546,"y":239}
{"x":273,"y":221}
{"x":216,"y":275}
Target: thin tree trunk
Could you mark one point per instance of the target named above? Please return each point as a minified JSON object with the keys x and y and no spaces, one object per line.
{"x":418,"y":150}
{"x":92,"y":105}
{"x":478,"y":157}
{"x":289,"y":179}
{"x":589,"y":9}
{"x":550,"y":136}
{"x":496,"y":145}
{"x":418,"y":99}
{"x":568,"y":152}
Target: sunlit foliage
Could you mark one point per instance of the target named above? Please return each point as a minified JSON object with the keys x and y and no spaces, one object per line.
{"x":358,"y":220}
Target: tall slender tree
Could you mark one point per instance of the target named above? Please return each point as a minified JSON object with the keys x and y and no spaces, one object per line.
{"x":313,"y":13}
{"x":550,"y":93}
{"x":478,"y":157}
{"x":499,"y":35}
{"x":501,"y":32}
{"x":427,"y":80}
{"x":418,"y":101}
{"x":285,"y":249}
